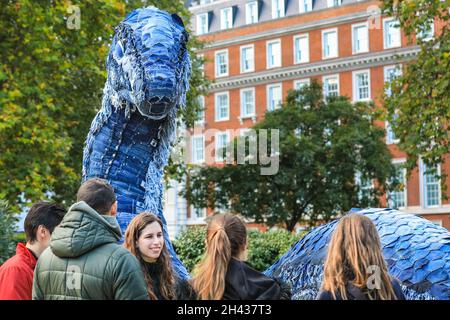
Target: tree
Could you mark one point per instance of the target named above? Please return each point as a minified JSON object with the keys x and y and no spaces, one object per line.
{"x":8,"y":222}
{"x":418,"y":106}
{"x":323,"y":145}
{"x":52,"y":72}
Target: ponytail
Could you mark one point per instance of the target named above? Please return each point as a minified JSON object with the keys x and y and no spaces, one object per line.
{"x":225,"y":237}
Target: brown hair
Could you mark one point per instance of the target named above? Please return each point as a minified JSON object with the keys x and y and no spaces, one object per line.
{"x":42,"y":213}
{"x":226,"y":237}
{"x":132,"y":234}
{"x":354,"y":247}
{"x":98,"y":194}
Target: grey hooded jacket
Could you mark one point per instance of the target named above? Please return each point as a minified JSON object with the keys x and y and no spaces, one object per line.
{"x":84,"y":261}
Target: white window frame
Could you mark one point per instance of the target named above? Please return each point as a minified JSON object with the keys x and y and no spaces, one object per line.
{"x":216,"y":106}
{"x":323,"y":43}
{"x":405,"y":182}
{"x":218,"y":52}
{"x":247,"y":11}
{"x":423,"y":191}
{"x":354,"y":27}
{"x":194,"y":153}
{"x":301,"y":82}
{"x":199,"y":30}
{"x":242,"y":91}
{"x":355,"y":85}
{"x":282,"y":9}
{"x":361,"y":187}
{"x":252,"y":67}
{"x":202,"y":104}
{"x":385,"y":36}
{"x":268,"y":66}
{"x":331,"y":76}
{"x":301,"y":36}
{"x":225,"y":15}
{"x":333,"y":3}
{"x":273,"y":85}
{"x":195,"y":217}
{"x":398,"y":68}
{"x":430,"y":37}
{"x":217,"y":155}
{"x":301,"y":6}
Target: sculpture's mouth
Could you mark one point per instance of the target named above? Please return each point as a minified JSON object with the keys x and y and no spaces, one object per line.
{"x":156,"y":108}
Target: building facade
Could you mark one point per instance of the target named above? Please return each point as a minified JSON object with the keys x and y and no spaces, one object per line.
{"x":259,"y":50}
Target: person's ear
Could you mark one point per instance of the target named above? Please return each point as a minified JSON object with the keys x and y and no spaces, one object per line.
{"x":42,"y":232}
{"x":114,"y":209}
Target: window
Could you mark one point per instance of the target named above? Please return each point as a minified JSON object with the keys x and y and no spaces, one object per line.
{"x":201,"y":112}
{"x":202,"y":23}
{"x":301,"y":49}
{"x":427,"y":34}
{"x":390,"y":73}
{"x":331,"y":86}
{"x":361,"y":85}
{"x":277,"y":9}
{"x":197,"y":213}
{"x":222,"y":63}
{"x":365,"y":186}
{"x":247,"y":59}
{"x":333,"y":3}
{"x":222,"y":106}
{"x":273,"y":54}
{"x":201,"y":58}
{"x":304,"y":6}
{"x":397,"y":198}
{"x":360,"y":36}
{"x":198,"y":149}
{"x":329,"y":44}
{"x":226,"y":18}
{"x":251,"y":12}
{"x":391,"y":33}
{"x":273,"y":96}
{"x":298,"y":84}
{"x":247,"y":102}
{"x":431,"y":192}
{"x":222,"y":141}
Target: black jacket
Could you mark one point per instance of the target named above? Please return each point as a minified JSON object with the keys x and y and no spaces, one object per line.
{"x":245,"y":283}
{"x":355,"y":293}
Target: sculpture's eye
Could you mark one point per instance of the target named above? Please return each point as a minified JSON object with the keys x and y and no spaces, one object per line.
{"x":176,"y":18}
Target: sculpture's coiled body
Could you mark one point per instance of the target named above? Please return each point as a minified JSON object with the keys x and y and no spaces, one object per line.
{"x":417,"y":253}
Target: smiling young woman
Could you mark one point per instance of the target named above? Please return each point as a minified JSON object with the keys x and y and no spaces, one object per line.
{"x":145,"y":240}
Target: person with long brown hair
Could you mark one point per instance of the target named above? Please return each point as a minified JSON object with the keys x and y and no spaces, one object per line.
{"x":145,"y":240}
{"x":223,"y":274}
{"x":355,"y":268}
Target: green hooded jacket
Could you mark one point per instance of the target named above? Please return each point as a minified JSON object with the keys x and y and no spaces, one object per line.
{"x":85,"y":261}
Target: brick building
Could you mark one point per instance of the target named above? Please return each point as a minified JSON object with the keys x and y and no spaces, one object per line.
{"x":259,"y":50}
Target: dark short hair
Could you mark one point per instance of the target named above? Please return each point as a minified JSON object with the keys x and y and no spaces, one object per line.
{"x":42,"y":213}
{"x":98,"y":194}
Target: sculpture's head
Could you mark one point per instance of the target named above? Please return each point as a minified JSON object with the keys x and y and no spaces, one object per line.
{"x":148,"y":63}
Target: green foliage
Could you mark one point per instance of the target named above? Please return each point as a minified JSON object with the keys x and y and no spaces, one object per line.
{"x":190,"y":246}
{"x":418,"y":107}
{"x":322,"y":145}
{"x":8,"y":221}
{"x":51,"y":78}
{"x":264,"y":248}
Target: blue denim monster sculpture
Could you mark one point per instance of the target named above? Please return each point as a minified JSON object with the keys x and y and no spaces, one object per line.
{"x":417,"y":253}
{"x":129,"y":141}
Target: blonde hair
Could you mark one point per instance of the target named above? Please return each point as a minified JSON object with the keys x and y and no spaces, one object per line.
{"x":354,"y":247}
{"x":132,"y":234}
{"x":225,"y":238}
